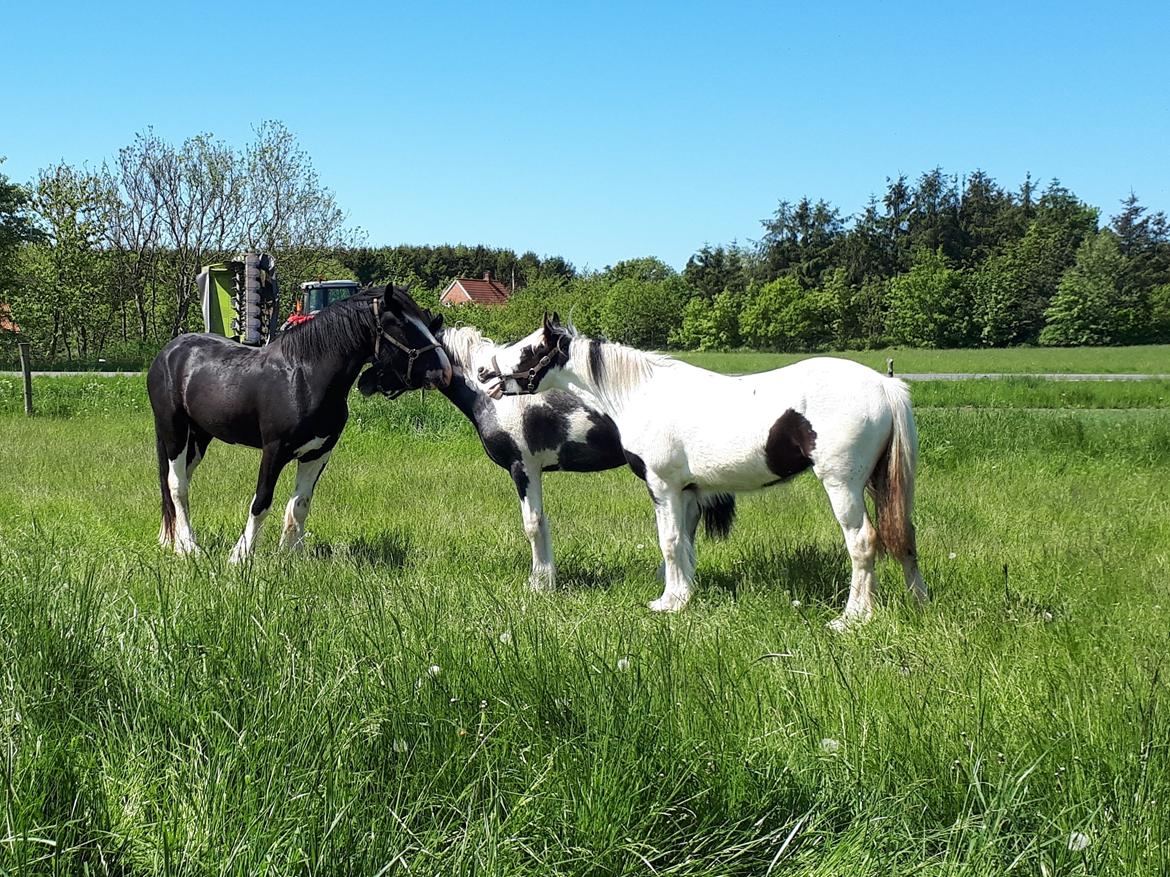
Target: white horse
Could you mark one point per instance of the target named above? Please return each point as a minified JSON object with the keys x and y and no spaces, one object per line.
{"x":691,"y":433}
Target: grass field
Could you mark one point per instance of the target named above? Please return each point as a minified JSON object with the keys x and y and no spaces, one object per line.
{"x":395,"y":700}
{"x":1150,"y":359}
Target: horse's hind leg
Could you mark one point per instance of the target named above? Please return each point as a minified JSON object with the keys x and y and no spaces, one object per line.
{"x":914,"y":577}
{"x":678,"y":551}
{"x":848,"y":501}
{"x":527,"y":479}
{"x":273,"y":460}
{"x":179,"y":452}
{"x":308,"y":473}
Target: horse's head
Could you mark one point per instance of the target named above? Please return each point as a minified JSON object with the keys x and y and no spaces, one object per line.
{"x":522,"y":368}
{"x":405,"y":346}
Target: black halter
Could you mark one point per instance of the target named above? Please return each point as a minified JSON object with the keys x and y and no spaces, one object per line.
{"x":530,"y":378}
{"x":412,"y":353}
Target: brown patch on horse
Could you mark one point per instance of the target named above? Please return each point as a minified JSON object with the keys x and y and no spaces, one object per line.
{"x":790,"y":442}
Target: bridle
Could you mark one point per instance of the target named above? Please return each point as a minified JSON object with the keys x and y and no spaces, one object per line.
{"x":529,"y":379}
{"x":412,"y":353}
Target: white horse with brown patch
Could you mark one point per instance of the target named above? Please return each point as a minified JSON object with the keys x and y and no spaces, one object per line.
{"x":691,"y":433}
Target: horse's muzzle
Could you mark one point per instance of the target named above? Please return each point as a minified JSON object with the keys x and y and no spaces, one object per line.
{"x":438,"y":378}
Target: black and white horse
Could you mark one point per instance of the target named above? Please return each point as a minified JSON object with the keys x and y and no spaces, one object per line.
{"x":690,"y":433}
{"x":529,"y":435}
{"x":288,"y":399}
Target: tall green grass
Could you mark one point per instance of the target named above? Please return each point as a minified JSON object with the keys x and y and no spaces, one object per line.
{"x":161,"y":715}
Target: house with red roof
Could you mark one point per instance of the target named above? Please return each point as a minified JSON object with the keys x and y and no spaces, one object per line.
{"x":487,"y":291}
{"x":6,"y":324}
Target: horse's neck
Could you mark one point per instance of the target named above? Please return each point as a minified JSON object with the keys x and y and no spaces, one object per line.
{"x":463,"y":394}
{"x":465,"y":346}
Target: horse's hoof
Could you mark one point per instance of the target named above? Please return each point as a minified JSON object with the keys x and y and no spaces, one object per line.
{"x":539,"y":583}
{"x":189,"y":549}
{"x":237,"y":557}
{"x":667,"y":604}
{"x":846,"y":623}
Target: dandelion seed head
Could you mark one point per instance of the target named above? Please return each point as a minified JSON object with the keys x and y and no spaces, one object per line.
{"x":506,"y":637}
{"x":434,"y":670}
{"x":623,"y":664}
{"x":1078,"y":841}
{"x":829,"y":746}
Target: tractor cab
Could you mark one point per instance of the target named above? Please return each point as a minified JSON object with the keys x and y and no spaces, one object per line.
{"x":316,"y":295}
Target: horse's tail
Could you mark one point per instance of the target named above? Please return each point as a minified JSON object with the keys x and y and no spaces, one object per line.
{"x":718,"y":514}
{"x":166,"y":535}
{"x":892,"y":480}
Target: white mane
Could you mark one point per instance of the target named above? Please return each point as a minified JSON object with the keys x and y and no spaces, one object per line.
{"x":623,"y":369}
{"x":465,"y":345}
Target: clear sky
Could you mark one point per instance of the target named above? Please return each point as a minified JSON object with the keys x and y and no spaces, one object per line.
{"x":606,"y":131}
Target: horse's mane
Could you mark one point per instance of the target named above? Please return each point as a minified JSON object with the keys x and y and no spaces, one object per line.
{"x":462,"y":342}
{"x":614,"y":370}
{"x":337,"y":327}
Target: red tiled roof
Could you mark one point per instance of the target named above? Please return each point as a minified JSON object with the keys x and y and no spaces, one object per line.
{"x":6,"y":324}
{"x":484,"y":292}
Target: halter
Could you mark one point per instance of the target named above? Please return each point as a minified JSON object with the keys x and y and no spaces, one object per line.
{"x":531,"y":378}
{"x":412,"y":353}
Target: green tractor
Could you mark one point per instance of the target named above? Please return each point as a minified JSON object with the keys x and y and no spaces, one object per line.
{"x":318,"y":294}
{"x":241,"y":299}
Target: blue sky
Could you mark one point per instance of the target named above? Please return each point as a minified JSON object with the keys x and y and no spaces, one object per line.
{"x":607,"y":131}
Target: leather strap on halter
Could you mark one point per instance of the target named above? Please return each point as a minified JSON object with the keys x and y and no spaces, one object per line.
{"x":412,"y":353}
{"x":530,"y":378}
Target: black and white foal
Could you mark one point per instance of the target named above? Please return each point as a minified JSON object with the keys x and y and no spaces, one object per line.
{"x":559,"y":431}
{"x":288,"y":399}
{"x":690,"y":432}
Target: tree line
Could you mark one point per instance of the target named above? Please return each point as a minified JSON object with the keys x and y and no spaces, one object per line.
{"x":101,"y":262}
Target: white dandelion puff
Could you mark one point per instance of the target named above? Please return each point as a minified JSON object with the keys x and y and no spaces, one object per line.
{"x":1078,"y":841}
{"x":506,"y":637}
{"x":952,"y":555}
{"x":623,"y":664}
{"x":434,"y":670}
{"x":796,"y":604}
{"x":400,"y":746}
{"x":829,"y":746}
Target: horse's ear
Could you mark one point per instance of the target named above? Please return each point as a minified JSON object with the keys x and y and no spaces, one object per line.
{"x":547,"y":325}
{"x":388,"y":295}
{"x":556,"y":318}
{"x":436,"y":323}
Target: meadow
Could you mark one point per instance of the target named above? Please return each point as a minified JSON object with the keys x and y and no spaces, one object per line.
{"x":395,"y":700}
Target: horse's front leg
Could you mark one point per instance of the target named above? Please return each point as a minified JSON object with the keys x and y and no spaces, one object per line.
{"x":528,"y":485}
{"x":309,"y":469}
{"x":273,"y":460}
{"x":693,"y":513}
{"x":678,"y":551}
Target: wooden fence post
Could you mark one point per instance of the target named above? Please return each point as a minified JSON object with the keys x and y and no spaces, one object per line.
{"x":26,"y":370}
{"x":890,"y":367}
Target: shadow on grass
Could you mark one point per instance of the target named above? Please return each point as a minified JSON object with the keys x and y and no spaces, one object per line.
{"x":388,"y":549}
{"x":808,"y":571}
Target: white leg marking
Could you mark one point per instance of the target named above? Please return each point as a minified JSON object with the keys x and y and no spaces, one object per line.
{"x":848,"y":503}
{"x":178,"y":480}
{"x":293,"y":532}
{"x":247,"y":542}
{"x":544,"y":573}
{"x":914,"y":579}
{"x":678,"y":554}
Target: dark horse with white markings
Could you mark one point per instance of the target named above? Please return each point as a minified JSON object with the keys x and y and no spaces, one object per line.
{"x":529,"y":435}
{"x":288,"y":399}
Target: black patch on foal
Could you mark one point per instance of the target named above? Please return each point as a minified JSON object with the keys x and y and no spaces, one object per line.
{"x":545,"y":428}
{"x":501,"y":449}
{"x":790,"y":442}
